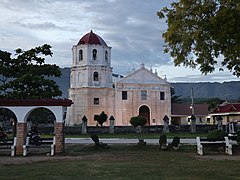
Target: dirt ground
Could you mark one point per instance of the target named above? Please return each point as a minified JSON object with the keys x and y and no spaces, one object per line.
{"x":8,"y":160}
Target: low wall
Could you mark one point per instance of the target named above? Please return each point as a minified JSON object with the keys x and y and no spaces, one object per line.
{"x":74,"y":130}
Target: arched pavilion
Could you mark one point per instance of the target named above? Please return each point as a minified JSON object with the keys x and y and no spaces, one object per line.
{"x":23,"y":107}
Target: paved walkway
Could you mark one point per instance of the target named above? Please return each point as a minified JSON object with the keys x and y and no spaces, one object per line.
{"x":123,"y":141}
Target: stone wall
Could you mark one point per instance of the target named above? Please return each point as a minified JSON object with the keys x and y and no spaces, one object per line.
{"x":147,"y":129}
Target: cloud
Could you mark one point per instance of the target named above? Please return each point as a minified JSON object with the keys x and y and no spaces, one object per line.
{"x":214,"y":77}
{"x":42,"y":26}
{"x":130,"y":27}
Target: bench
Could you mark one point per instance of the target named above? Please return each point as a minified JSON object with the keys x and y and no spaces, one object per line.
{"x":46,"y":143}
{"x":201,"y":143}
{"x":9,"y":144}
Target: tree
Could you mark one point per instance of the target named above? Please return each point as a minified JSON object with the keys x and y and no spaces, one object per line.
{"x":41,"y":116}
{"x":101,"y":118}
{"x":175,"y":98}
{"x":213,"y":103}
{"x":138,"y":122}
{"x":202,"y":32}
{"x":26,"y":76}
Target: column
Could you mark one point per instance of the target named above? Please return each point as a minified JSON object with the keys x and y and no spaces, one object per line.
{"x":111,"y":129}
{"x":59,"y":135}
{"x":21,"y":136}
{"x":84,"y":125}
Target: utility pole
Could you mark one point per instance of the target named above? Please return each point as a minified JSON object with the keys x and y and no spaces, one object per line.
{"x":192,"y":98}
{"x":193,"y":118}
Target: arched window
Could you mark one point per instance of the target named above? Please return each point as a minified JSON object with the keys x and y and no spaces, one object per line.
{"x":94,"y":54}
{"x":95,"y":76}
{"x":106,"y":55}
{"x":80,"y":54}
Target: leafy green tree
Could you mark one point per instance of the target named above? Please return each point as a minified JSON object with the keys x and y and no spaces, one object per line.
{"x":138,"y":121}
{"x":213,"y":103}
{"x":5,"y":61}
{"x":201,"y":33}
{"x":41,"y":116}
{"x":26,"y":76}
{"x":175,"y":98}
{"x":101,"y":118}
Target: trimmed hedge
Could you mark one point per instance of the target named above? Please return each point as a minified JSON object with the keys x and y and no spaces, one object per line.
{"x":138,"y":121}
{"x":216,"y":135}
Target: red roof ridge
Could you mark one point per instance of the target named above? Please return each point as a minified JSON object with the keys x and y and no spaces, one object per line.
{"x":228,"y":107}
{"x":36,"y":102}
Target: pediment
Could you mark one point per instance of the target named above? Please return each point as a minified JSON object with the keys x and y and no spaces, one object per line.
{"x":143,"y":76}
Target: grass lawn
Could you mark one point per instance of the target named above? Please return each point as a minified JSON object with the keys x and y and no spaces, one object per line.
{"x":125,"y":162}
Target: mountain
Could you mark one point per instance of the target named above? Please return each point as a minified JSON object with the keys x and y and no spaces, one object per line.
{"x":64,"y":81}
{"x":226,"y":90}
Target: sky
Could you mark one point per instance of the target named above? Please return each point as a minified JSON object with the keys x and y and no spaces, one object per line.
{"x":130,"y":27}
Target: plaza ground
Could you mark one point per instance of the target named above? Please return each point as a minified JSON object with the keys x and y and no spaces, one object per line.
{"x":121,"y":161}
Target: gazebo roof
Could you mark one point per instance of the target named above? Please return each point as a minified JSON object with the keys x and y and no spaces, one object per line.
{"x":36,"y":102}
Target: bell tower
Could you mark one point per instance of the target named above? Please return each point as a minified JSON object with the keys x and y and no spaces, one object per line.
{"x":91,"y":86}
{"x":91,"y":63}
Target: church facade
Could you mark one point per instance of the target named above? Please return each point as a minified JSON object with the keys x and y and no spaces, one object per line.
{"x":93,"y":90}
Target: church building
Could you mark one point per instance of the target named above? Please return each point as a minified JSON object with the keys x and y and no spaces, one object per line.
{"x":92,"y":89}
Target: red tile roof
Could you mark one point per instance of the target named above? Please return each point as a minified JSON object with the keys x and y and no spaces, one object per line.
{"x":226,"y":108}
{"x":92,"y":38}
{"x":36,"y":102}
{"x":185,"y":110}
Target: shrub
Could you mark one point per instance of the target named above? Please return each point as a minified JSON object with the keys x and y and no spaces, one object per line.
{"x":163,"y":141}
{"x":95,"y":139}
{"x":238,"y":140}
{"x":176,"y":141}
{"x":101,"y":118}
{"x":238,"y":137}
{"x":138,"y":121}
{"x":216,"y":135}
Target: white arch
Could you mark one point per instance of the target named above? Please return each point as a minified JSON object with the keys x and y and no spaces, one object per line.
{"x":22,"y":112}
{"x":40,"y":107}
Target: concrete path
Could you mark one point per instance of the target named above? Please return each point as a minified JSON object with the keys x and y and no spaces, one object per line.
{"x":123,"y":141}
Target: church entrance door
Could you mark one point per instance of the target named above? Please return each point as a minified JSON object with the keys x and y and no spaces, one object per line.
{"x":144,"y":111}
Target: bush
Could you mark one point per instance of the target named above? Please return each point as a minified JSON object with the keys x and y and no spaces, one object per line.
{"x":238,"y":140}
{"x":163,"y":141}
{"x":238,"y":137}
{"x":216,"y":135}
{"x":138,"y":121}
{"x":101,"y":118}
{"x":176,"y":141}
